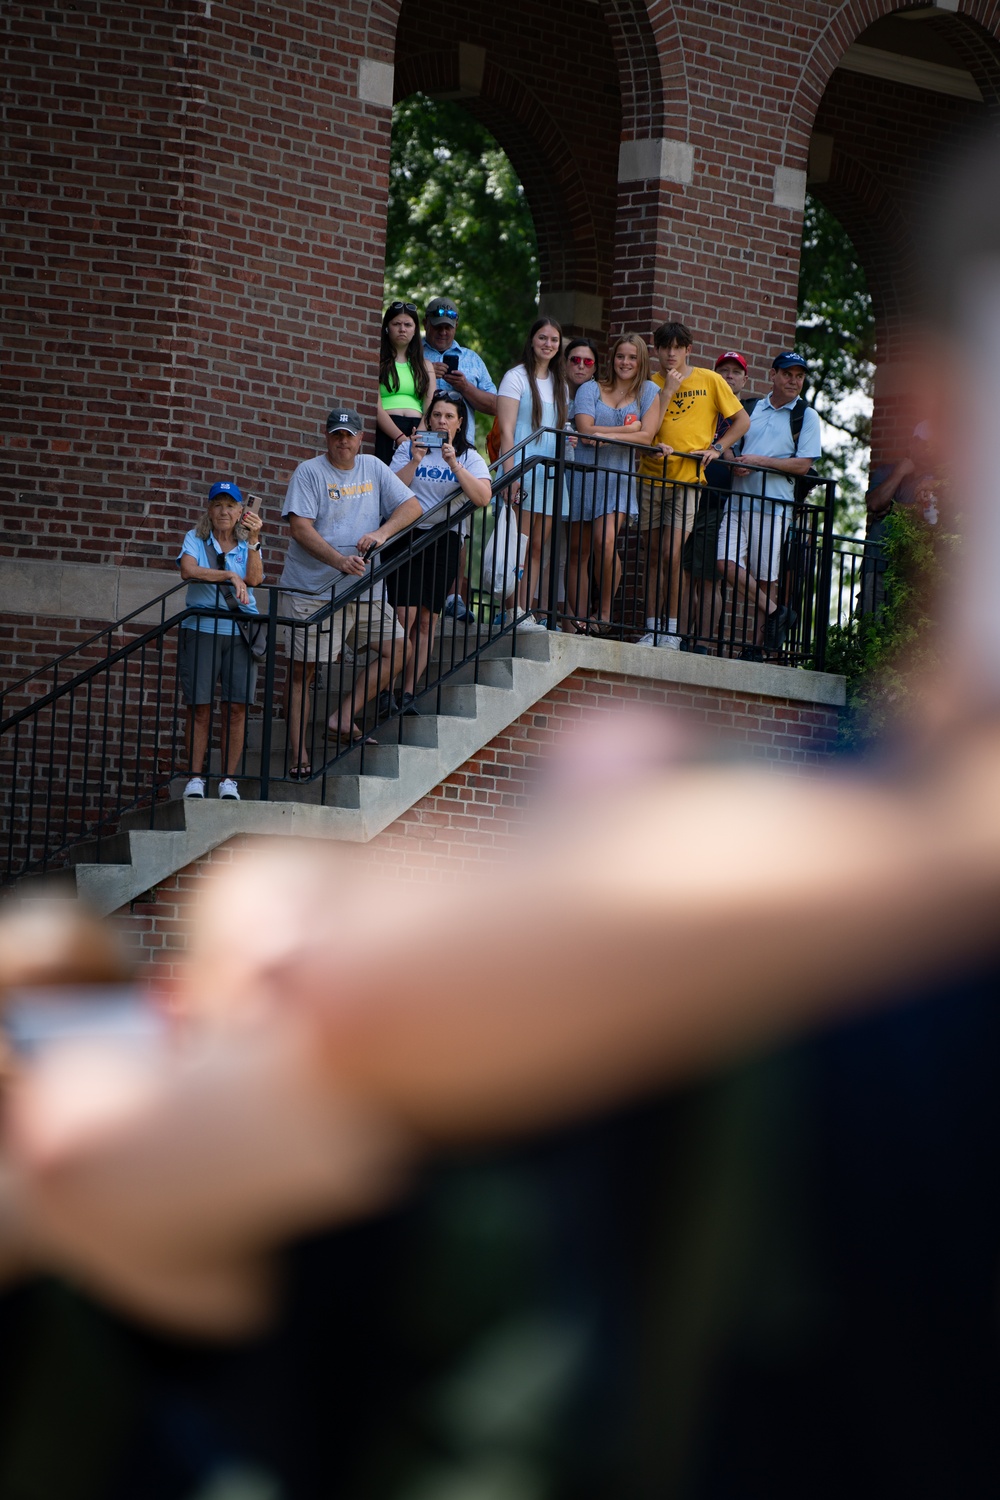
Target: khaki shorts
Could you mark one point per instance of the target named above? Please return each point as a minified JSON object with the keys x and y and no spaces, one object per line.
{"x":361,"y":626}
{"x":664,"y":505}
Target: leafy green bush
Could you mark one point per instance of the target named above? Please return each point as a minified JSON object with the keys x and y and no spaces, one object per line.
{"x":889,"y":655}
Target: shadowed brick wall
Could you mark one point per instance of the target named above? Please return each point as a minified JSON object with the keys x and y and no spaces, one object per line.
{"x":478,"y":813}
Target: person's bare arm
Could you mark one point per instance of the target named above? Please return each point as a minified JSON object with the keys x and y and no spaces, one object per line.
{"x":484,"y":401}
{"x":304,"y":532}
{"x":641,"y":433}
{"x":507,"y":413}
{"x":736,"y":429}
{"x":880,"y":496}
{"x":404,"y":515}
{"x":780,"y":465}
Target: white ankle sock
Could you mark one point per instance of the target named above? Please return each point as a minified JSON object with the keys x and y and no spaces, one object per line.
{"x":651,"y":622}
{"x":672,"y":625}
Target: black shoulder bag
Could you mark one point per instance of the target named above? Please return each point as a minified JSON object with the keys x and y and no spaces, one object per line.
{"x":252,"y":629}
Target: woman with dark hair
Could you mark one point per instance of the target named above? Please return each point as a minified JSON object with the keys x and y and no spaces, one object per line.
{"x":581,"y":357}
{"x":451,"y":468}
{"x":532,"y":395}
{"x":624,"y":407}
{"x":405,"y":379}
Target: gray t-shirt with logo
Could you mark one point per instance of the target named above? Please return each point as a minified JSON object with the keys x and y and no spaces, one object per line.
{"x":344,"y":505}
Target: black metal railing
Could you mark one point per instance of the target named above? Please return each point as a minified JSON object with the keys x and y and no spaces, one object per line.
{"x":104,"y":731}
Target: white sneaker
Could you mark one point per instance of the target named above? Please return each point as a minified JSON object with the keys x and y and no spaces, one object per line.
{"x":527,"y":624}
{"x":671,"y":642}
{"x":228,"y":788}
{"x":195,"y":787}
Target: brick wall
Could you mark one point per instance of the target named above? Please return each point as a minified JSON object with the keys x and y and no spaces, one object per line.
{"x":478,"y":813}
{"x":192,"y":270}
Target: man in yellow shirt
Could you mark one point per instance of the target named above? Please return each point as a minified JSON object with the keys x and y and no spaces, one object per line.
{"x":691,"y":403}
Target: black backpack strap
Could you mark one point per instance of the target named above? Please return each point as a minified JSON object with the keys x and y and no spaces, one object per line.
{"x":796,"y":417}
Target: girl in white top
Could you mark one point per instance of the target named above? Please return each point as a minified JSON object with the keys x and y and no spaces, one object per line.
{"x":534,"y":395}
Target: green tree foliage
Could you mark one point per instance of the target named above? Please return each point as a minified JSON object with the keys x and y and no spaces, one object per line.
{"x":836,"y":333}
{"x":459,"y":226}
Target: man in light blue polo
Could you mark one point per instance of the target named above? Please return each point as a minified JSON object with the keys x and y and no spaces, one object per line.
{"x":783,"y":439}
{"x":471,"y":379}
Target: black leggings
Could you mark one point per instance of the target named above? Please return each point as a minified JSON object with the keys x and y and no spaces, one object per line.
{"x":385,"y":447}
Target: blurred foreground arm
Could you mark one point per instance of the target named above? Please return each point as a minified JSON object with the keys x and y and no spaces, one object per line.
{"x":327,"y":1066}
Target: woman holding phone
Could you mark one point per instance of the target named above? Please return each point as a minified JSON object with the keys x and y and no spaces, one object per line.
{"x":435,"y":464}
{"x":218,"y":555}
{"x":405,"y":378}
{"x":532,"y":395}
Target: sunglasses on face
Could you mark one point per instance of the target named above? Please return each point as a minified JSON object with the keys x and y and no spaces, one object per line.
{"x":578,"y":359}
{"x":398,"y":307}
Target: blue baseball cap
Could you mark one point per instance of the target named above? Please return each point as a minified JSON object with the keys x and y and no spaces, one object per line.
{"x":788,"y":360}
{"x":226,"y":487}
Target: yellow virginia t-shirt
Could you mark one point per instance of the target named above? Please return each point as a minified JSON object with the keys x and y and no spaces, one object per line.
{"x":690,"y":422}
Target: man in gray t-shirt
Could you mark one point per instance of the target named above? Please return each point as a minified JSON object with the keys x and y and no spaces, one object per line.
{"x":341,"y":507}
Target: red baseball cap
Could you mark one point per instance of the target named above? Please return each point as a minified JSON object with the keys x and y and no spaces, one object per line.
{"x":736,"y":358}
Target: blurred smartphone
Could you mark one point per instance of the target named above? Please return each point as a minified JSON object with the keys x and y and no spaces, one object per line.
{"x":37,"y":1019}
{"x":451,"y":360}
{"x":254,"y":503}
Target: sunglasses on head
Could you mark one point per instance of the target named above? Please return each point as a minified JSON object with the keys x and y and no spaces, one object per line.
{"x":579,"y":359}
{"x":397,"y":307}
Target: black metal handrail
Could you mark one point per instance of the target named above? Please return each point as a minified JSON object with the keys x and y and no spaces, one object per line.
{"x":100,"y":732}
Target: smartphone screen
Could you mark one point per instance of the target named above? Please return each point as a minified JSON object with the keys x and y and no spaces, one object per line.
{"x":117,"y":1013}
{"x":451,"y":360}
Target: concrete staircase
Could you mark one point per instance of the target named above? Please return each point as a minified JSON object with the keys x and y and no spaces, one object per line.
{"x":362,"y":794}
{"x":366,"y":790}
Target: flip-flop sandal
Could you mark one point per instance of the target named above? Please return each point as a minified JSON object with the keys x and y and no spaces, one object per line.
{"x":301,"y":772}
{"x":352,"y":736}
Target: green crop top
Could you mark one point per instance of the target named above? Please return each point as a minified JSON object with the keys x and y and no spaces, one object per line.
{"x":406,"y":398}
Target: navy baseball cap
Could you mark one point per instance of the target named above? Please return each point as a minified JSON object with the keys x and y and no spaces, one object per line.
{"x":228,"y":488}
{"x":788,"y":360}
{"x":442,"y":310}
{"x":344,"y":419}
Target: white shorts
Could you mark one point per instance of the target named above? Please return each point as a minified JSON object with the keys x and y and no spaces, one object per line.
{"x":361,"y":625}
{"x":753,"y":537}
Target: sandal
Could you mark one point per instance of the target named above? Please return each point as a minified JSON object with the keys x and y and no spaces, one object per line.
{"x":301,"y":772}
{"x":352,"y":736}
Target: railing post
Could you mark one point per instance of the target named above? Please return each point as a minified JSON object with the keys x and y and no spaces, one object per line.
{"x":555,"y":532}
{"x":825,"y":577}
{"x":265,"y":734}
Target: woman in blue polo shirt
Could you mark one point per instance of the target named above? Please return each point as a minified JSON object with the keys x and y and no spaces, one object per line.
{"x":221,"y":553}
